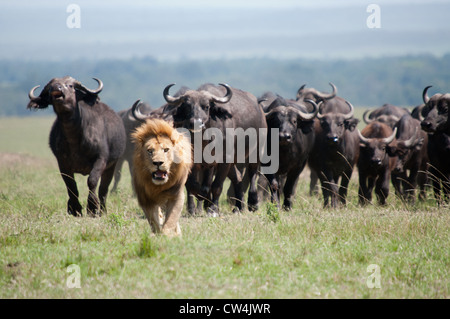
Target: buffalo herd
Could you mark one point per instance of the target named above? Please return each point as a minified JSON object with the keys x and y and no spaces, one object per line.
{"x":238,"y":136}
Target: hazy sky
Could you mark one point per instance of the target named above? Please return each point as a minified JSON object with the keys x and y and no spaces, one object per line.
{"x":31,"y":29}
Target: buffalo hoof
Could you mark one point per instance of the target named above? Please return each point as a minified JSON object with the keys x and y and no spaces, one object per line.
{"x":213,"y":211}
{"x":74,"y":209}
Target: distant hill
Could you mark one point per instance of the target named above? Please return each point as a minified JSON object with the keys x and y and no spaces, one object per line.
{"x":364,"y":82}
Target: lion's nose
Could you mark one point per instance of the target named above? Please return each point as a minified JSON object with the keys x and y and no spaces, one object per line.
{"x":158,"y":163}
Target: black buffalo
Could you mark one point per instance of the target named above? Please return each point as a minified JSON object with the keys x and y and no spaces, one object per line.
{"x":87,"y":137}
{"x":437,"y":125}
{"x":220,"y":108}
{"x":296,"y":139}
{"x":336,"y":149}
{"x":410,"y":150}
{"x":374,"y":164}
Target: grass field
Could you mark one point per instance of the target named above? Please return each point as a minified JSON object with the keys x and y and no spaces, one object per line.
{"x":309,"y":252}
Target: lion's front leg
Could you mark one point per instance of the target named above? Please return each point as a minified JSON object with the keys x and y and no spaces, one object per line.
{"x":155,"y":218}
{"x":171,"y":225}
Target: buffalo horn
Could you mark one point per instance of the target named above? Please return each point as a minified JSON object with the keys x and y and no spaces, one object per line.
{"x":170,"y":99}
{"x":419,"y":112}
{"x":425,"y":96}
{"x":363,"y":139}
{"x":307,"y":116}
{"x":31,"y":93}
{"x":137,"y":112}
{"x":349,"y":115}
{"x":388,"y":140}
{"x":366,"y":117}
{"x":326,"y":96}
{"x":410,"y":142}
{"x":300,"y":90}
{"x":96,"y":91}
{"x":227,"y":96}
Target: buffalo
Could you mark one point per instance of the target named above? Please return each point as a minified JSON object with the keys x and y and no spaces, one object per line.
{"x":296,"y":139}
{"x":219,"y":109}
{"x":87,"y":138}
{"x":336,"y":149}
{"x":410,"y":150}
{"x":437,"y":125}
{"x":374,"y":164}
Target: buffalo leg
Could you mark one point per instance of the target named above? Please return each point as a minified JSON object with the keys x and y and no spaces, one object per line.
{"x":397,"y":181}
{"x":289,"y":186}
{"x":410,"y":185}
{"x":363,"y":189}
{"x":343,"y":189}
{"x":329,"y":189}
{"x":313,"y":183}
{"x":217,"y":186}
{"x":191,"y":203}
{"x":252,"y":200}
{"x":370,"y":186}
{"x":94,"y":177}
{"x":117,"y":173}
{"x":382,"y":187}
{"x":236,"y":183}
{"x":107,"y":177}
{"x":73,"y":205}
{"x":274,"y":188}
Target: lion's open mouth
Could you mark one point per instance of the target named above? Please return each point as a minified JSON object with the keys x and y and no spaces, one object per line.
{"x":159,"y":175}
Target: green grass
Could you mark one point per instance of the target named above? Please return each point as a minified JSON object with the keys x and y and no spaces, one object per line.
{"x":309,"y":252}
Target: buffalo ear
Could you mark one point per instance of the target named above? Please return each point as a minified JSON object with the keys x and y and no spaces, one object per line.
{"x":391,"y":150}
{"x":351,"y":124}
{"x":37,"y":103}
{"x":305,"y":126}
{"x":220,"y":111}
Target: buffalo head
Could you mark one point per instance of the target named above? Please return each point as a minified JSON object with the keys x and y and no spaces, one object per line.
{"x":437,"y":112}
{"x":335,"y":124}
{"x":63,"y":94}
{"x":403,"y":149}
{"x":289,"y":119}
{"x":374,"y":149}
{"x":192,"y":110}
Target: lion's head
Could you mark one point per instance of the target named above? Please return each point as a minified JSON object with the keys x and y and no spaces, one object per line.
{"x":162,"y":155}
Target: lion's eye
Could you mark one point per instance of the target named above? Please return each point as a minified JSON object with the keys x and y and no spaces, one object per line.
{"x":150,"y":152}
{"x":166,"y":150}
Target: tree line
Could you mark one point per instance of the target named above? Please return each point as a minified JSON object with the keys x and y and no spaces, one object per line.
{"x":364,"y":82}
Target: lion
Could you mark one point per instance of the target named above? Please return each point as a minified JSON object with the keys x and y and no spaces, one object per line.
{"x":162,"y":161}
